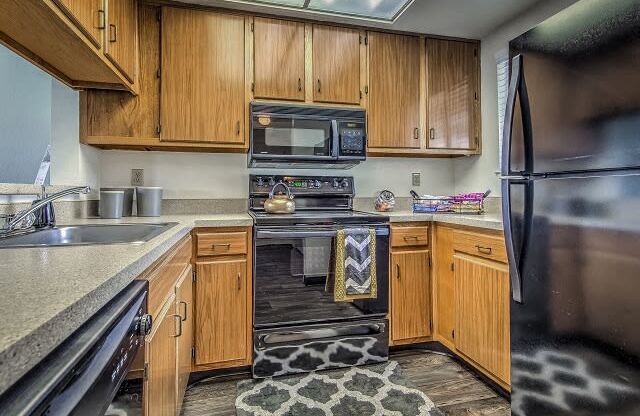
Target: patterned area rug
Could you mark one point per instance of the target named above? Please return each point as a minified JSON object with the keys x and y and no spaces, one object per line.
{"x":379,"y":389}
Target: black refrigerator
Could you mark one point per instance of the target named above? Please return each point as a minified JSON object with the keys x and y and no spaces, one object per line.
{"x":571,"y":211}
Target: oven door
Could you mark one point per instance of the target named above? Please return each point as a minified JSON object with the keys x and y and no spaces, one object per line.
{"x":292,"y":266}
{"x":296,"y":138}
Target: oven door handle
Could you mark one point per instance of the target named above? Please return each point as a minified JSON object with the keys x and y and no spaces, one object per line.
{"x":384,"y":231}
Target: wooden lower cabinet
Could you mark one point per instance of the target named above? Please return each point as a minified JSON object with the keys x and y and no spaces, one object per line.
{"x":410,"y":294}
{"x":223,"y":293}
{"x":160,"y":386}
{"x":184,"y":309}
{"x":471,"y":311}
{"x":482,"y":313}
{"x":167,"y":351}
{"x":221,"y":321}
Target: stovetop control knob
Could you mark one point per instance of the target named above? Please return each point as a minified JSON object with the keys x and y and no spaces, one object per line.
{"x":144,"y":324}
{"x":272,"y":181}
{"x":345,"y":183}
{"x":316,"y":183}
{"x":336,"y":184}
{"x":260,"y":181}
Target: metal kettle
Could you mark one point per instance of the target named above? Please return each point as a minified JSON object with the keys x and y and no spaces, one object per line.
{"x":280,"y":204}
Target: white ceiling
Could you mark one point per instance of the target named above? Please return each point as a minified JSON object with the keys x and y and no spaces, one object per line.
{"x":460,"y":18}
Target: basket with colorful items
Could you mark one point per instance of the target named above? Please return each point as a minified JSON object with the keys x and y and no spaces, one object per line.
{"x":472,"y":203}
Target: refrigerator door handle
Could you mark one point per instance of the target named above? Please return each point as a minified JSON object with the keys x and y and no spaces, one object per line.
{"x":515,"y":255}
{"x":517,"y":86}
{"x":514,"y":83}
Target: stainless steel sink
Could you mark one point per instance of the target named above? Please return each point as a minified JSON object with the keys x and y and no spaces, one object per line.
{"x":87,"y":235}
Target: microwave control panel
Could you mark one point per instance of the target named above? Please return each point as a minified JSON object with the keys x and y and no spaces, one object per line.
{"x":352,"y":138}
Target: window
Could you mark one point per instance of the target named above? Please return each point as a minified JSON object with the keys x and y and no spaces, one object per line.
{"x":379,"y":10}
{"x":503,"y":91}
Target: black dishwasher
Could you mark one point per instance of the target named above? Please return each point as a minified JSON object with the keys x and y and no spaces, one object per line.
{"x":83,"y":374}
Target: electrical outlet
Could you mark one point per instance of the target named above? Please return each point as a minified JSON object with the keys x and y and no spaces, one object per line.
{"x":137,"y":177}
{"x":415,"y":179}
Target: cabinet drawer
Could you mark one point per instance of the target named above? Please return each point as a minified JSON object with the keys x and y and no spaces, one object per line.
{"x":481,"y":245}
{"x":221,"y":244}
{"x":409,"y":236}
{"x":163,"y":278}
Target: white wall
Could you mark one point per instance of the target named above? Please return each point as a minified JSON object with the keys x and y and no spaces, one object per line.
{"x":72,"y":163}
{"x":203,"y":176}
{"x":477,"y":173}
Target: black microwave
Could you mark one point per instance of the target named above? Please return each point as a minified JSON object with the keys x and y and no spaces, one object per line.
{"x":302,"y":136}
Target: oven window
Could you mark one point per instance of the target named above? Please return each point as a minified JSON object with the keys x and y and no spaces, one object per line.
{"x":294,"y":283}
{"x":291,"y":137}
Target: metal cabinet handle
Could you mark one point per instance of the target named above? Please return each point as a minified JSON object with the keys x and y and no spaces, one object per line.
{"x":238,"y":128}
{"x":416,"y":133}
{"x":238,"y":281}
{"x":483,"y":250}
{"x":319,"y":86}
{"x":101,"y":19}
{"x":299,"y":84}
{"x":225,"y":245}
{"x":183,"y":303}
{"x":397,"y":271}
{"x":432,"y":133}
{"x":179,"y":320}
{"x":113,"y":33}
{"x":410,"y":237}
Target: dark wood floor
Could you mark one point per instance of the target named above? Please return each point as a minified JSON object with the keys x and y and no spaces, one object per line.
{"x":452,"y":388}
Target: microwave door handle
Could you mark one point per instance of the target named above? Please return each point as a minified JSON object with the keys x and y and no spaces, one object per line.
{"x":335,"y":140}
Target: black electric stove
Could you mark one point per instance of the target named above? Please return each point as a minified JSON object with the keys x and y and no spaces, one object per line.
{"x":295,"y":315}
{"x":320,"y":200}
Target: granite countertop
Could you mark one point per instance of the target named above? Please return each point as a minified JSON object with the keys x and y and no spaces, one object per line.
{"x":491,"y":221}
{"x":48,"y":293}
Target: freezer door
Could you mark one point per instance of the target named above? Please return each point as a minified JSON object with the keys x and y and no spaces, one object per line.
{"x":579,"y":89}
{"x":575,"y":343}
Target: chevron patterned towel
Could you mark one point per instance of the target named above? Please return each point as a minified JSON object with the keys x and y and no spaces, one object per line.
{"x":355,"y":276}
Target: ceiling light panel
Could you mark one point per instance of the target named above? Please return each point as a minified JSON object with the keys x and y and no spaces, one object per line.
{"x":378,"y":10}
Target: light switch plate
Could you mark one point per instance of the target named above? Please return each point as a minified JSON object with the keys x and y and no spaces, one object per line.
{"x":415,"y":179}
{"x":137,"y":177}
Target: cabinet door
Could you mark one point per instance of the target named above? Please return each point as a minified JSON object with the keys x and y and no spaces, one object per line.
{"x":410,"y":287}
{"x":160,"y":356}
{"x":482,"y":313}
{"x":278,"y":50}
{"x":445,"y":302}
{"x":121,"y":43}
{"x":336,"y":65}
{"x":452,"y":69}
{"x":184,"y":308}
{"x":394,"y":98}
{"x":221,"y":311}
{"x":202,"y":90}
{"x":88,"y":15}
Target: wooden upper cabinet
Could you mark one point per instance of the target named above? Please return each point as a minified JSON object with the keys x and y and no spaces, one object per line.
{"x":278,"y":53}
{"x":482,"y":313}
{"x":452,"y":97}
{"x":203,"y":89}
{"x":222,"y":324}
{"x":336,"y":64}
{"x":121,"y":38}
{"x":394,"y":96}
{"x":410,"y":295}
{"x":88,"y":15}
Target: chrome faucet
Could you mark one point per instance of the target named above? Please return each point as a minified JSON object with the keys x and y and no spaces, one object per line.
{"x":41,"y":213}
